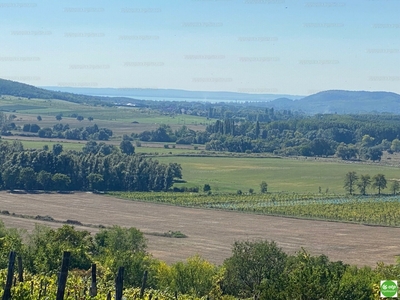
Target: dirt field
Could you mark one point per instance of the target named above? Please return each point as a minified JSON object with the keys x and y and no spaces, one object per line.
{"x":210,"y":233}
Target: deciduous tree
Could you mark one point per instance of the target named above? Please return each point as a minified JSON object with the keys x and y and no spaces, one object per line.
{"x":27,"y":177}
{"x":350,"y":181}
{"x":379,"y":182}
{"x":365,"y":181}
{"x":61,"y":181}
{"x":394,"y":186}
{"x":255,"y":268}
{"x":127,"y":147}
{"x":263,"y":187}
{"x":206,"y":188}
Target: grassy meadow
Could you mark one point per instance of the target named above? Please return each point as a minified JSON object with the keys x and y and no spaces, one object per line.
{"x":32,"y":144}
{"x":228,"y":174}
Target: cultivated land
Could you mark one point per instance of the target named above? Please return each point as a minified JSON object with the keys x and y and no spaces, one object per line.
{"x":121,"y":120}
{"x":210,"y":232}
{"x":299,"y":175}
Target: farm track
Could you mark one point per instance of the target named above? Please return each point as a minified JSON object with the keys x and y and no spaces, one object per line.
{"x":211,"y":233}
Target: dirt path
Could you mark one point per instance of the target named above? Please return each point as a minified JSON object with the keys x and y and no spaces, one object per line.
{"x":210,"y":233}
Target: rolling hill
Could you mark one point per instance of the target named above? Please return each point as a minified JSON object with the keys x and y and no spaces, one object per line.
{"x":17,"y":89}
{"x":343,"y":102}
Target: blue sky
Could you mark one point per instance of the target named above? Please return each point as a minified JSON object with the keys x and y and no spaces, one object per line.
{"x":256,"y":46}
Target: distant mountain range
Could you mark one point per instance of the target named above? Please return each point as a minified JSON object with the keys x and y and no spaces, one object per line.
{"x":332,"y":101}
{"x":172,"y":94}
{"x":342,"y":102}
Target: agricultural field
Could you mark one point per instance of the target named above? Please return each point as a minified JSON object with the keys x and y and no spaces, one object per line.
{"x":210,"y":233}
{"x":39,"y":144}
{"x":371,"y":210}
{"x":299,"y":175}
{"x":122,"y":120}
{"x":147,"y":148}
{"x":119,"y":127}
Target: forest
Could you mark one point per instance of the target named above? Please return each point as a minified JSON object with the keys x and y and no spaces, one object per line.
{"x":98,"y":166}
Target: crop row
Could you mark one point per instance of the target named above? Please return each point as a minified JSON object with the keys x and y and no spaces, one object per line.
{"x":377,"y":210}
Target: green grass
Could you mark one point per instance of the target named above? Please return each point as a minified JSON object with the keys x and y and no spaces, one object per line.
{"x":120,"y":114}
{"x":19,"y":107}
{"x":226,"y":174}
{"x":155,"y":148}
{"x":66,"y":145}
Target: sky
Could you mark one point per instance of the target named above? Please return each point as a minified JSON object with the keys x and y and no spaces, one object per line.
{"x":254,"y":46}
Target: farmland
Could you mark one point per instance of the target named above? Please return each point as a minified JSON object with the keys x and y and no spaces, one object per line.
{"x":298,"y":187}
{"x":299,"y":175}
{"x":225,"y":172}
{"x":210,"y":232}
{"x":122,"y":120}
{"x":373,"y":210}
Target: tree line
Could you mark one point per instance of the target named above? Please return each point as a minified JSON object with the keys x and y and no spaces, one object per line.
{"x":65,"y":132}
{"x":97,"y":167}
{"x":255,"y":269}
{"x":378,"y":182}
{"x":345,"y":136}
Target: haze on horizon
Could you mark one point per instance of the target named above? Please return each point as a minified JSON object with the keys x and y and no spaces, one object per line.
{"x":250,"y":46}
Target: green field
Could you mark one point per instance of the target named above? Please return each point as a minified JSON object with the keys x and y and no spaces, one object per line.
{"x":227,"y":174}
{"x":118,"y":119}
{"x":66,"y":145}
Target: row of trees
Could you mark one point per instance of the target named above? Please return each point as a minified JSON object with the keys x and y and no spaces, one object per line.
{"x":256,"y":269}
{"x":362,"y":182}
{"x":64,"y":131}
{"x":74,"y":115}
{"x":99,"y":166}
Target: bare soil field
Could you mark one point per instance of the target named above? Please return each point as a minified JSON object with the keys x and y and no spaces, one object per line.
{"x":210,"y":233}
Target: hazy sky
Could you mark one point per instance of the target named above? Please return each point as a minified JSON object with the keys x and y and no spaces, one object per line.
{"x":256,"y":46}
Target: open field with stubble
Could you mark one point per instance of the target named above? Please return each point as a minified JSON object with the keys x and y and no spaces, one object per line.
{"x":210,"y":232}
